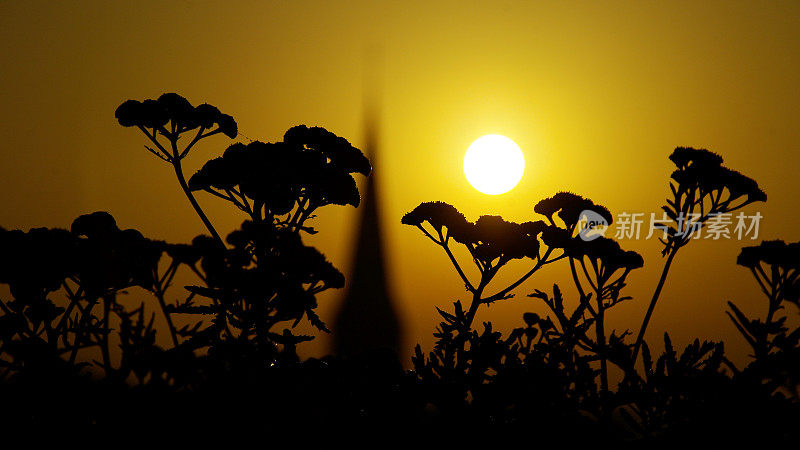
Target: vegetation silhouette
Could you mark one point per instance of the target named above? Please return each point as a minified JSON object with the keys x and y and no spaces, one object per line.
{"x":74,"y":350}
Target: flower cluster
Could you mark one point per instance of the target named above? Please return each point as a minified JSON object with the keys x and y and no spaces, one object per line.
{"x":699,"y":185}
{"x":267,"y":276}
{"x":311,"y":168}
{"x":774,"y":253}
{"x":776,"y":267}
{"x":489,"y":238}
{"x":97,"y":254}
{"x":156,"y":114}
{"x":569,"y":207}
{"x":112,"y":259}
{"x":606,"y":252}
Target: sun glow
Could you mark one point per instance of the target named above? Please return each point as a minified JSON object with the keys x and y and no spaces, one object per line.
{"x":494,"y":164}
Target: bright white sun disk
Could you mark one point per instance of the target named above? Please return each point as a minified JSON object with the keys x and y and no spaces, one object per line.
{"x":494,"y":164}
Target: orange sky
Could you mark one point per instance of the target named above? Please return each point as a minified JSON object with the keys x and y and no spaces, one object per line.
{"x":596,"y":94}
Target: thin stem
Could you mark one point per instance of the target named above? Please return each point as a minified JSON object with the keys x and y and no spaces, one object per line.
{"x":476,"y":296}
{"x":576,"y":279}
{"x":176,"y":164}
{"x":601,"y":343}
{"x":522,"y":279}
{"x":80,"y":332}
{"x":167,"y":316}
{"x":643,"y":329}
{"x":454,"y":261}
{"x":197,"y":137}
{"x":106,"y":331}
{"x":159,"y":292}
{"x":774,"y":301}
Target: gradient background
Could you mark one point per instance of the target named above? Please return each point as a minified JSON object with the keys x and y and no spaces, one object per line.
{"x":596,"y":94}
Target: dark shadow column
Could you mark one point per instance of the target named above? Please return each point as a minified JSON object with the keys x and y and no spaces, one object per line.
{"x":367,"y":320}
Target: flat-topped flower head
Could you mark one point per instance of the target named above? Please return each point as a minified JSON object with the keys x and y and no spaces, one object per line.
{"x":183,"y":253}
{"x":569,"y":207}
{"x":684,"y":157}
{"x":606,"y":250}
{"x":709,"y":179}
{"x":336,"y":150}
{"x":36,"y":262}
{"x":703,"y":170}
{"x":98,"y":224}
{"x":171,"y":107}
{"x":775,"y":253}
{"x":742,"y":186}
{"x":498,"y":238}
{"x":311,"y":165}
{"x":441,"y":215}
{"x":110,"y":258}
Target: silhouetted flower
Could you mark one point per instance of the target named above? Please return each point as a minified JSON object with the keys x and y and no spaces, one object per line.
{"x":208,"y":116}
{"x":555,"y":237}
{"x":100,"y":225}
{"x":337,"y":150}
{"x":441,"y":215}
{"x":739,"y":185}
{"x":155,"y":114}
{"x":684,"y":157}
{"x":607,"y":251}
{"x":703,"y":170}
{"x":778,"y":281}
{"x":36,"y":262}
{"x":775,"y":253}
{"x":183,"y":253}
{"x":497,"y":238}
{"x":312,"y":166}
{"x":569,"y":207}
{"x":112,"y":259}
{"x":697,"y":195}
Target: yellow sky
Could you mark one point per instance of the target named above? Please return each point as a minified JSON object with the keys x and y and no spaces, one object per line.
{"x":596,"y":94}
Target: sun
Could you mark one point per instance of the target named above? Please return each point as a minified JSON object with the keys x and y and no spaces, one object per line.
{"x":494,"y":164}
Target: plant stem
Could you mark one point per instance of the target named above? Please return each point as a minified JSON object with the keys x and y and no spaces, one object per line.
{"x":643,"y":329}
{"x":170,"y":325}
{"x":601,"y":344}
{"x":763,"y":339}
{"x":106,"y":330}
{"x":176,"y":164}
{"x":80,"y":332}
{"x":476,"y":302}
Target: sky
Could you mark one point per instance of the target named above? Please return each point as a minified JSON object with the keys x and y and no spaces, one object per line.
{"x":596,"y":94}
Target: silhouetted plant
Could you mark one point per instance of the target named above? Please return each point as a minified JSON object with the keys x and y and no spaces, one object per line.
{"x":91,"y":264}
{"x":491,"y":242}
{"x":676,"y":391}
{"x":232,"y":362}
{"x":266,"y":276}
{"x":285,"y":182}
{"x":608,"y":266}
{"x":461,"y":363}
{"x":170,"y":117}
{"x":702,"y":188}
{"x":776,"y":350}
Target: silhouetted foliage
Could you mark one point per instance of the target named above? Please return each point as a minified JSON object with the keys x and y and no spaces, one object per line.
{"x":77,"y":349}
{"x":311,"y":168}
{"x":702,"y":189}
